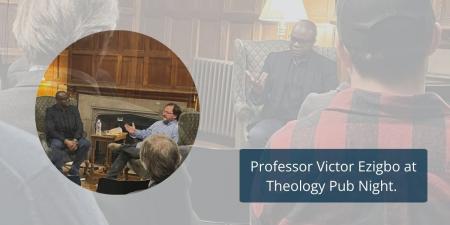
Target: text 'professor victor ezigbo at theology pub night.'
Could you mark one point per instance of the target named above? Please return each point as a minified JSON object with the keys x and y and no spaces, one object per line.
{"x":317,"y":188}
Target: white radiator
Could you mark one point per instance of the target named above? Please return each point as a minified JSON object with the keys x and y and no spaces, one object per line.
{"x":213,"y":82}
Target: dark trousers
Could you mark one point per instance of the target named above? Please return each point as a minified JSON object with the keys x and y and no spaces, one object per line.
{"x":60,"y":154}
{"x":124,"y":154}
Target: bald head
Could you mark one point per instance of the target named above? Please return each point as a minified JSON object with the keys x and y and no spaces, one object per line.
{"x":303,"y":37}
{"x":62,"y":98}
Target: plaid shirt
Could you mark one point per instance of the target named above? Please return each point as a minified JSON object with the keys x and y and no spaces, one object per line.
{"x":354,"y":118}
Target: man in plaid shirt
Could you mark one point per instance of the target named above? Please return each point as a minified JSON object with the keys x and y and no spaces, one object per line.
{"x":384,"y":46}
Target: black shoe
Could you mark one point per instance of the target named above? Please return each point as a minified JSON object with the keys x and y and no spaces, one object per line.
{"x":75,"y":179}
{"x":73,"y":172}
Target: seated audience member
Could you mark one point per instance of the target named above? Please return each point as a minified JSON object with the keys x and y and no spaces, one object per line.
{"x":287,"y":77}
{"x":32,"y":191}
{"x":160,"y":157}
{"x":384,"y":44}
{"x":168,"y":126}
{"x":64,"y":131}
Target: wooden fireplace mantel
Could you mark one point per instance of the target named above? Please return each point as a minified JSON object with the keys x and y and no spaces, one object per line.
{"x":190,"y":97}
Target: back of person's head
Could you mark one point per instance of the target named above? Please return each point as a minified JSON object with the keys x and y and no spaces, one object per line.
{"x":44,"y":28}
{"x":387,"y":40}
{"x":160,"y":157}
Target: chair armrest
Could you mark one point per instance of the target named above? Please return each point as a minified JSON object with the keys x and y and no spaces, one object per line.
{"x":184,"y":151}
{"x":43,"y":138}
{"x":243,"y":111}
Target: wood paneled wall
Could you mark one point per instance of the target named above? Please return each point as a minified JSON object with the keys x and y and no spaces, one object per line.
{"x":127,"y":64}
{"x":186,"y":26}
{"x":217,"y":23}
{"x":55,"y":78}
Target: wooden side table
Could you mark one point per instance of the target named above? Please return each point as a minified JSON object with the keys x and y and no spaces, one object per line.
{"x":106,"y":138}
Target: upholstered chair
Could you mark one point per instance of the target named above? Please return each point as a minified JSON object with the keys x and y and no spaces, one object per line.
{"x":250,"y":56}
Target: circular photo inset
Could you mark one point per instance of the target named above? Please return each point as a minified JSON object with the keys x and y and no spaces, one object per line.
{"x":117,"y":112}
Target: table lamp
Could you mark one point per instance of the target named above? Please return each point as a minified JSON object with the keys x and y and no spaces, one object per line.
{"x":283,"y":11}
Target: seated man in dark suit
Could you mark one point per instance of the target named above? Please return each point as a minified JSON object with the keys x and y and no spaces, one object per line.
{"x":64,"y":131}
{"x":286,"y":78}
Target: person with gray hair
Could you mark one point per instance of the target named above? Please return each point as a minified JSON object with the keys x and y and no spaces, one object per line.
{"x":43,"y":29}
{"x":160,"y":157}
{"x":43,"y":37}
{"x":34,"y":192}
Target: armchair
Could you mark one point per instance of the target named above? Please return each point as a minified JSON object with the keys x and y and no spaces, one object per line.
{"x":188,"y":127}
{"x":250,"y":55}
{"x":42,"y":103}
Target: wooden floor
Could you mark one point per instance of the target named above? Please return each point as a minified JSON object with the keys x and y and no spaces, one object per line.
{"x":89,"y":180}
